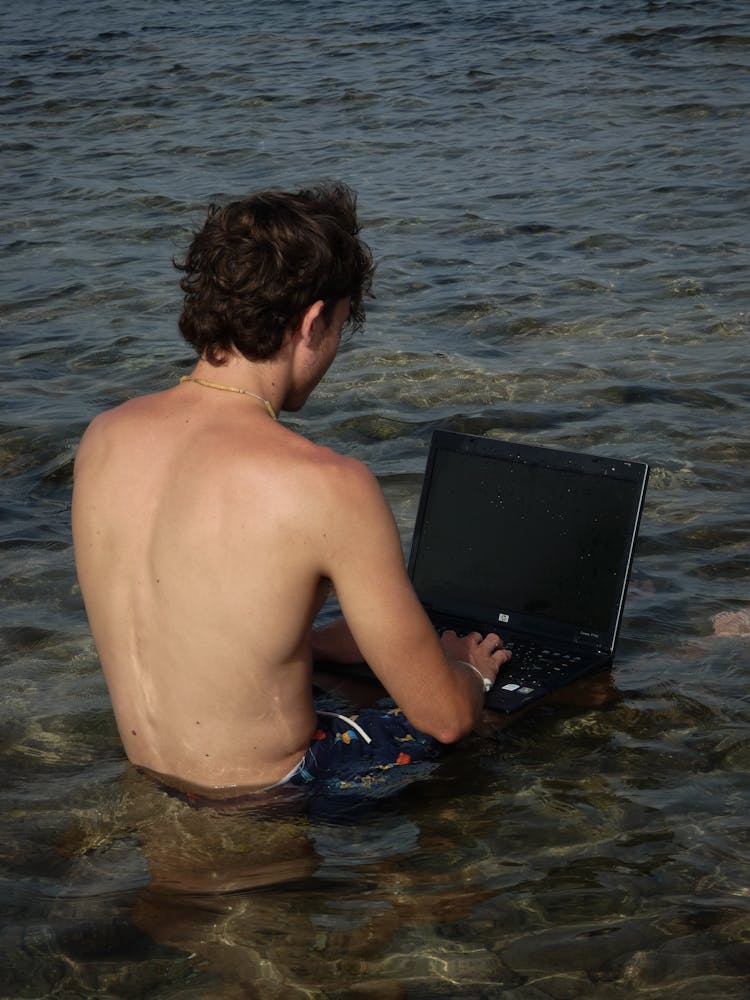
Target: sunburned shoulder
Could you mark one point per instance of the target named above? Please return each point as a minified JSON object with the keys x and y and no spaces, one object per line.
{"x":120,"y":418}
{"x":130,"y":412}
{"x":341,"y":471}
{"x":99,"y":430}
{"x":332,"y":479}
{"x":117,"y":426}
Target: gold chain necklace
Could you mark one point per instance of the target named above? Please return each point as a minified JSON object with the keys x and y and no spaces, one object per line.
{"x":230,"y":388}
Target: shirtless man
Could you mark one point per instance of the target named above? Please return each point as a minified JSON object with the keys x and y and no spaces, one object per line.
{"x":207,"y":534}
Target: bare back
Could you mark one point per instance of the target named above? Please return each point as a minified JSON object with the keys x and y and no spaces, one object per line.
{"x":206,"y":535}
{"x":205,"y":532}
{"x":195,"y":527}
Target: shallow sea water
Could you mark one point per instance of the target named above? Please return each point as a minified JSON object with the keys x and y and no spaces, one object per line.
{"x":556,"y":194}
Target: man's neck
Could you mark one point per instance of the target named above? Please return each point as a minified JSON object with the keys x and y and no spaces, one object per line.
{"x":261,"y":380}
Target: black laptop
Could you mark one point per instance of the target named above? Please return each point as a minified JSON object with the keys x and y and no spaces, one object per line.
{"x":533,"y":543}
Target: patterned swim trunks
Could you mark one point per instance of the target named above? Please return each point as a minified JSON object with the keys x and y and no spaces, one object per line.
{"x":361,"y":751}
{"x":352,"y":763}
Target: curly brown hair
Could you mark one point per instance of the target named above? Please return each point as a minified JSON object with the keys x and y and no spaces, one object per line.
{"x":257,"y":264}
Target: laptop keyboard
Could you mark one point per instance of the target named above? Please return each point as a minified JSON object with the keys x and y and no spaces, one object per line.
{"x":531,"y":660}
{"x":532,"y":663}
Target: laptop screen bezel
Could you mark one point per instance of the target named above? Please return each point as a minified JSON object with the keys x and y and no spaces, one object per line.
{"x":488,"y":615}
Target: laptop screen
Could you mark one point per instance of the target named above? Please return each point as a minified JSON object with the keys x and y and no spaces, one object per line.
{"x":540,"y":535}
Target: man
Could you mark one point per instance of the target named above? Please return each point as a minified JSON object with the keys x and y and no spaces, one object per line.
{"x":207,"y":534}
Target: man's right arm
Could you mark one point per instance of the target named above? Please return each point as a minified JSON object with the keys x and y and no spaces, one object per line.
{"x":362,"y":556}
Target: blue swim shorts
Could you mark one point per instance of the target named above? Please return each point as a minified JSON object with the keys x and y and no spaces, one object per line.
{"x":359,"y":751}
{"x":374,"y":752}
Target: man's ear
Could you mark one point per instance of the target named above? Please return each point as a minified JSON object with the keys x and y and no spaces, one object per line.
{"x":312,"y":323}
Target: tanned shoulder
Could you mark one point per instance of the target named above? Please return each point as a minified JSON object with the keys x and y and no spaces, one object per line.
{"x":91,"y":440}
{"x":348,"y":480}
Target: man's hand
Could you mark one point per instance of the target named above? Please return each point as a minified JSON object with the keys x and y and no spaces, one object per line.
{"x":485,"y":654}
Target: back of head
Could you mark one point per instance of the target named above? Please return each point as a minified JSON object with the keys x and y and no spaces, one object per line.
{"x":258,"y":263}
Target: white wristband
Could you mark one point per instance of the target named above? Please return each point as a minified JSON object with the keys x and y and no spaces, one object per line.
{"x":486,"y":682}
